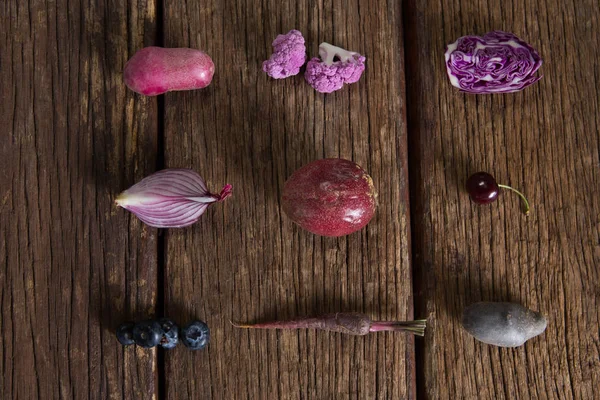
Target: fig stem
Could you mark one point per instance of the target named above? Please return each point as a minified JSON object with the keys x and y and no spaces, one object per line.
{"x":525,"y":202}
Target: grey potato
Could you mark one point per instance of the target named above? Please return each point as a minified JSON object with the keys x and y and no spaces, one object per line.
{"x":502,"y":324}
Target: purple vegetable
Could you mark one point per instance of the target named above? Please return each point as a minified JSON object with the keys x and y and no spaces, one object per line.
{"x":171,"y":198}
{"x":326,"y":75}
{"x":157,"y":70}
{"x":349,"y":323}
{"x":498,"y":62}
{"x":289,"y":54}
{"x":502,"y":324}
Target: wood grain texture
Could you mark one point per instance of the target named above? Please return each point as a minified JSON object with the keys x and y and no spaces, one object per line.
{"x":545,"y":141}
{"x":72,"y":265}
{"x":245,"y":260}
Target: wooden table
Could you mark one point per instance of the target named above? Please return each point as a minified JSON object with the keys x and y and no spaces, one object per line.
{"x":73,"y":266}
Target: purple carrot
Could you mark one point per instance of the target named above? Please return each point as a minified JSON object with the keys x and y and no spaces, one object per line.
{"x":349,"y":323}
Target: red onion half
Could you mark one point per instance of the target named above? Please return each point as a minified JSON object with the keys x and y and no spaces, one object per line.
{"x":171,"y":198}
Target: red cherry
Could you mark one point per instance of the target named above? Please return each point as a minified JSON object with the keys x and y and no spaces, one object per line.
{"x":484,"y":189}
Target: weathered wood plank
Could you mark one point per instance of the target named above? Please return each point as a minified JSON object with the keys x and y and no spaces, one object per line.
{"x":73,"y":266}
{"x":245,"y":260}
{"x":545,"y":141}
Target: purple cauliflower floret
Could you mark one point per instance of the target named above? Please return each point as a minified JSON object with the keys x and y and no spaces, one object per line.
{"x":289,"y":54}
{"x":498,"y":62}
{"x":326,"y":75}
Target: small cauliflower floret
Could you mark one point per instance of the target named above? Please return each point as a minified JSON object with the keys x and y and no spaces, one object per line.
{"x":289,"y":54}
{"x":326,"y":75}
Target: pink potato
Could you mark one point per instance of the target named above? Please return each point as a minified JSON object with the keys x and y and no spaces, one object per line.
{"x":330,"y":197}
{"x":157,"y":70}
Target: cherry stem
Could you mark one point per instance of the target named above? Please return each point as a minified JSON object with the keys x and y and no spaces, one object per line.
{"x":525,"y":202}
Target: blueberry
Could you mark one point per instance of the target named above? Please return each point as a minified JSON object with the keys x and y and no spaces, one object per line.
{"x":195,"y":335}
{"x":147,"y":333}
{"x":170,"y":336}
{"x":125,"y":333}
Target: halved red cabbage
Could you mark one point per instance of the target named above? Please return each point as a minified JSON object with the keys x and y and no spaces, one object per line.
{"x":498,"y":62}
